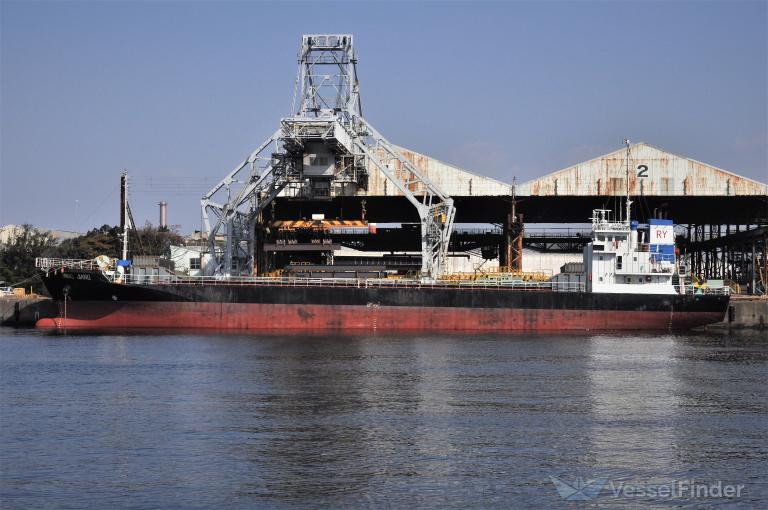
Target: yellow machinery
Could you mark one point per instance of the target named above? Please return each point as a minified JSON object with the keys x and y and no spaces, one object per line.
{"x":499,"y":274}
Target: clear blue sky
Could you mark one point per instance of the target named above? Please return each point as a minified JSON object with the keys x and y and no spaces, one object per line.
{"x":501,"y":88}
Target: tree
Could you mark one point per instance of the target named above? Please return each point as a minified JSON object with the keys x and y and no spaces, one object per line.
{"x":150,"y":240}
{"x":17,"y":256}
{"x":104,"y":240}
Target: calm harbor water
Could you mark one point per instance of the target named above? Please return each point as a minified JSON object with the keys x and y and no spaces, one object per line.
{"x":244,"y":421}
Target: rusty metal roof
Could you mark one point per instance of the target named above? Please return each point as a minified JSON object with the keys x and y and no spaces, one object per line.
{"x":652,"y":172}
{"x":451,"y":179}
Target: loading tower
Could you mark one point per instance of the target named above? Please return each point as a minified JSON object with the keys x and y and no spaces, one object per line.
{"x":323,"y":150}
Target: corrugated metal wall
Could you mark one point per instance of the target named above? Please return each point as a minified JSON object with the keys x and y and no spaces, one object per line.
{"x":652,"y":172}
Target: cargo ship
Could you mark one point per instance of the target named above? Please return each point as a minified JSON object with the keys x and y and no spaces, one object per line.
{"x":326,"y":148}
{"x":629,"y":281}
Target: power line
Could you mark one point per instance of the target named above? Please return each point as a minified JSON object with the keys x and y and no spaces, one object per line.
{"x":98,"y":207}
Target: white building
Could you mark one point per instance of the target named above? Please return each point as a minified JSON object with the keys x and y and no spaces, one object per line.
{"x":189,"y":260}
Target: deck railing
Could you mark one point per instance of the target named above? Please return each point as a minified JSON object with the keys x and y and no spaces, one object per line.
{"x":386,"y":283}
{"x":54,"y":263}
{"x":691,"y":289}
{"x":492,"y":283}
{"x":333,"y":282}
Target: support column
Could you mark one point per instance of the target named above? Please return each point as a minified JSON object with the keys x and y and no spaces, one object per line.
{"x":511,"y":254}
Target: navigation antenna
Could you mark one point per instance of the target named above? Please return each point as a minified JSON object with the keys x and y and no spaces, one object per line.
{"x":629,"y":202}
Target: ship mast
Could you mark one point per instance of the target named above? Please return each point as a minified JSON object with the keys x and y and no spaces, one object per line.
{"x":628,"y":201}
{"x":124,"y":212}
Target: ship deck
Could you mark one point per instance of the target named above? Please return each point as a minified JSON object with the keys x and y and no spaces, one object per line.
{"x":499,"y":282}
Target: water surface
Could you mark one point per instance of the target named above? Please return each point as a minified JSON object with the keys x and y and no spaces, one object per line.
{"x":245,"y":421}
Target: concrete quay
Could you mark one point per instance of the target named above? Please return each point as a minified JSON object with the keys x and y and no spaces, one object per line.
{"x":21,"y":311}
{"x":745,"y":312}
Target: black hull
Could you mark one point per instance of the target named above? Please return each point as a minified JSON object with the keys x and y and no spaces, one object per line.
{"x":99,"y":302}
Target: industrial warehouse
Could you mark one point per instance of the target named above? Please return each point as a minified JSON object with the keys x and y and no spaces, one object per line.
{"x":328,"y":195}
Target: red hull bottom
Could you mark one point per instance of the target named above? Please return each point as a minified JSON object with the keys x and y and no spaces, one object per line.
{"x":274,"y":317}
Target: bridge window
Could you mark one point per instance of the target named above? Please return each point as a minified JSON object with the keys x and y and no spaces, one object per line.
{"x":194,"y":263}
{"x":618,"y":262}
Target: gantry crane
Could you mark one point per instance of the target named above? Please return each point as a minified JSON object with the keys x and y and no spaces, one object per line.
{"x":324,"y":149}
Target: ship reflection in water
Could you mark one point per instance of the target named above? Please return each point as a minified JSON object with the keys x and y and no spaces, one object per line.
{"x":183,"y":421}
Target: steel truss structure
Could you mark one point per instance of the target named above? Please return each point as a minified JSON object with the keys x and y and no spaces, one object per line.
{"x":323,"y":149}
{"x":736,"y":253}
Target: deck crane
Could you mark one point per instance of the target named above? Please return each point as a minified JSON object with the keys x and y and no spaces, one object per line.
{"x":324,"y":149}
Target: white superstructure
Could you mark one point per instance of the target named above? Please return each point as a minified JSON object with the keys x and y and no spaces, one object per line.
{"x":623,"y":258}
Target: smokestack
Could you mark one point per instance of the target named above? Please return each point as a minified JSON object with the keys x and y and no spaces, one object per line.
{"x":163,"y":214}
